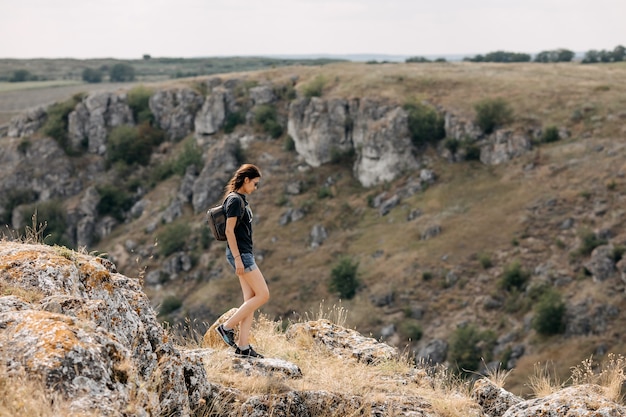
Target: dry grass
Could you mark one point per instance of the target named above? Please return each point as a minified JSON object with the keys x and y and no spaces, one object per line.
{"x":608,"y":374}
{"x":545,"y":381}
{"x":323,"y":371}
{"x":21,"y":395}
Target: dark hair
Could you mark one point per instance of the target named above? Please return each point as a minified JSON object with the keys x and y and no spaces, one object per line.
{"x":244,"y":171}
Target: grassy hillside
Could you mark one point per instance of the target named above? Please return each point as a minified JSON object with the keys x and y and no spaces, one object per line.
{"x":490,"y":216}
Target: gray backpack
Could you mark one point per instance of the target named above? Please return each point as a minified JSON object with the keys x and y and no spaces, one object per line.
{"x":216,"y":218}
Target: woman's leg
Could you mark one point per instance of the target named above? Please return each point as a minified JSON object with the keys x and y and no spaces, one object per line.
{"x":255,"y":294}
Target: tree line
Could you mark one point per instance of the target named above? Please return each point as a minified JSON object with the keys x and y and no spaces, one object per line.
{"x":618,"y":54}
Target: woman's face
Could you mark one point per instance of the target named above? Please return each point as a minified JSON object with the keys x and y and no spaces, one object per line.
{"x":250,"y":185}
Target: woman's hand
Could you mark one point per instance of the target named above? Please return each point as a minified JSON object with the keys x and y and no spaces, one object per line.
{"x":238,"y":266}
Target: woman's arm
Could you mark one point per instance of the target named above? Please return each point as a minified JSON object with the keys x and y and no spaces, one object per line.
{"x":231,"y":222}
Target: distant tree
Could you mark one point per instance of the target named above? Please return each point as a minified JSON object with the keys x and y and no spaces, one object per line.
{"x":593,"y":56}
{"x":22,"y":75}
{"x":418,"y":59}
{"x":146,"y":57}
{"x":500,"y":56}
{"x":565,"y":55}
{"x":503,"y":56}
{"x":619,"y":53}
{"x":91,"y":75}
{"x":122,"y":73}
{"x":557,"y":55}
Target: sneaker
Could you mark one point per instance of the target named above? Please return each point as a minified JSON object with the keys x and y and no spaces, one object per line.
{"x":228,"y":336}
{"x":251,"y":353}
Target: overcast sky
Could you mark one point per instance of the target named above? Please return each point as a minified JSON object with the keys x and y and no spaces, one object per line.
{"x":201,"y":28}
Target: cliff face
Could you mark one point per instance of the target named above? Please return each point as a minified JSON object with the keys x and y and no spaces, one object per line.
{"x":375,"y":131}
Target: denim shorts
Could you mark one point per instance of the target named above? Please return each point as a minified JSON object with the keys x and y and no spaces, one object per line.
{"x":248,"y":260}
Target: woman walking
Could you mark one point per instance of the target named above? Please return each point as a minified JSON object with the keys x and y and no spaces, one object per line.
{"x":240,"y":255}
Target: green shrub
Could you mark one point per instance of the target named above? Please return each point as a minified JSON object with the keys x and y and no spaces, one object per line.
{"x":114,"y":202}
{"x":468,"y":346}
{"x":411,"y":330}
{"x":427,"y":276}
{"x":472,"y":152}
{"x":191,"y":155}
{"x":139,"y":103}
{"x":514,"y":277}
{"x":551,"y":134}
{"x":127,"y":145}
{"x":343,"y":278}
{"x":485,"y":260}
{"x":452,"y":145}
{"x":232,"y":120}
{"x":289,"y":145}
{"x":492,"y":113}
{"x":285,"y":92}
{"x":121,"y":73}
{"x":549,"y":314}
{"x":266,"y":116}
{"x":170,"y":303}
{"x":173,"y":238}
{"x":315,"y":88}
{"x":588,"y":242}
{"x":324,"y":192}
{"x":425,"y":124}
{"x":22,"y":75}
{"x":342,"y":157}
{"x":57,"y":121}
{"x":91,"y":75}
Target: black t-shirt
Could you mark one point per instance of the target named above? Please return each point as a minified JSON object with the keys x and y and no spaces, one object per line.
{"x":243,"y":229}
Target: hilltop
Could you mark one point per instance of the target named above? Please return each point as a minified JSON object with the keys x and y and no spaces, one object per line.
{"x":432,"y":263}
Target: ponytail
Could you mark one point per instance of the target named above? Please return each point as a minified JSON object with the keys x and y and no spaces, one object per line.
{"x":244,"y":171}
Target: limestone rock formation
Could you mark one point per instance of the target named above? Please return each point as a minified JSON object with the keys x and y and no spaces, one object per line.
{"x":175,"y":110}
{"x":27,"y":123}
{"x":94,"y":117}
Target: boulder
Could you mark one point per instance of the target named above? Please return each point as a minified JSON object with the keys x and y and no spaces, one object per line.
{"x":585,"y":400}
{"x":504,"y":145}
{"x":493,"y":400}
{"x":342,"y":342}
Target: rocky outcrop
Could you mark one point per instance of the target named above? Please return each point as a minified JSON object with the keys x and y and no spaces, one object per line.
{"x":175,"y":111}
{"x":40,"y":171}
{"x":585,"y":400}
{"x":342,"y":342}
{"x":377,"y":132}
{"x":211,"y":117}
{"x":577,"y":401}
{"x":221,"y":162}
{"x":382,"y":142}
{"x":94,"y":117}
{"x":321,"y":128}
{"x":91,"y":333}
{"x":504,"y":145}
{"x":27,"y":123}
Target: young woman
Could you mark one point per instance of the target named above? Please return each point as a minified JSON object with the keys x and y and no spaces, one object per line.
{"x":240,"y":255}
